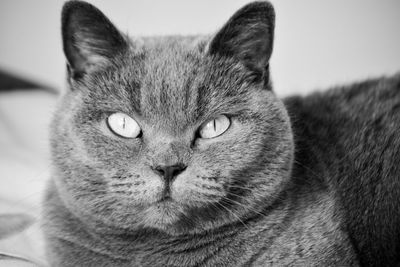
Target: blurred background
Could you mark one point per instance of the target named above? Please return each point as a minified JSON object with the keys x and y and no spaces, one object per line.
{"x":318,"y":43}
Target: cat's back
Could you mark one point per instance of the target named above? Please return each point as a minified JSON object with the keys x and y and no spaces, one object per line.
{"x":349,"y":138}
{"x":360,"y":102}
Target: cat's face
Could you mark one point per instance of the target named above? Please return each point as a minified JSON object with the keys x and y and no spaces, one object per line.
{"x":167,"y":133}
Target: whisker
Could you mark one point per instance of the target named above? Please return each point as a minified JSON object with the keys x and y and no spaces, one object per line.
{"x":234,"y":214}
{"x":246,"y":207}
{"x":121,"y":184}
{"x":252,"y":193}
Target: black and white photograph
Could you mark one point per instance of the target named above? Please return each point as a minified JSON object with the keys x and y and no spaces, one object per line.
{"x":205,"y":133}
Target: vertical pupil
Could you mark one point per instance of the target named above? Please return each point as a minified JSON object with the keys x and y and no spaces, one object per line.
{"x":123,"y":122}
{"x":215,"y":127}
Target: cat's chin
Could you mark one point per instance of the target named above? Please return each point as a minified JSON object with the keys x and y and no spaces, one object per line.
{"x":163,"y":215}
{"x":175,"y":218}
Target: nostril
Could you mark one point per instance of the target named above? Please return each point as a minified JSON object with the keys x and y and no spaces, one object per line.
{"x":160,"y":170}
{"x":177,"y":169}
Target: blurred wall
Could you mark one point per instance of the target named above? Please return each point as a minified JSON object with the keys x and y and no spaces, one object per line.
{"x":318,"y":42}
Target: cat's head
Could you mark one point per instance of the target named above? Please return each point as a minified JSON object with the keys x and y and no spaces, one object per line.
{"x":170,"y":133}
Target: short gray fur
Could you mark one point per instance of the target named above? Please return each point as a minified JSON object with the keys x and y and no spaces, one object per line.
{"x":303,"y":181}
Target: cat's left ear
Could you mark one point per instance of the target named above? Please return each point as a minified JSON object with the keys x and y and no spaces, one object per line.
{"x":90,"y":40}
{"x":247,"y":36}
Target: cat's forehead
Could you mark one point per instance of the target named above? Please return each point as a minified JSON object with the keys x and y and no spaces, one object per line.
{"x":167,"y":82}
{"x":173,"y":82}
{"x":170,"y":63}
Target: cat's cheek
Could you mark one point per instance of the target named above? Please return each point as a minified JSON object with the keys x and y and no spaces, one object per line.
{"x":150,"y":192}
{"x":104,"y":149}
{"x":197,"y":188}
{"x":233,"y":146}
{"x":181,"y":189}
{"x":136,"y":187}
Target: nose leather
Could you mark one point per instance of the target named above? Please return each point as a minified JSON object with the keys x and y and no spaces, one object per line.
{"x":169,"y":172}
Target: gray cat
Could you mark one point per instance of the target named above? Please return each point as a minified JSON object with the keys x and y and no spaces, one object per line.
{"x":175,"y":151}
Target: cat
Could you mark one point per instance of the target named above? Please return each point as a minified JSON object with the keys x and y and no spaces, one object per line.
{"x":175,"y":151}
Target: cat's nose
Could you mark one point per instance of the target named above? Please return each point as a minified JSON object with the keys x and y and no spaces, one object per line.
{"x":170,"y":172}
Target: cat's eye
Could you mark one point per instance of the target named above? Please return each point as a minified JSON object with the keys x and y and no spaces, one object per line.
{"x":215,"y":127}
{"x":123,"y":125}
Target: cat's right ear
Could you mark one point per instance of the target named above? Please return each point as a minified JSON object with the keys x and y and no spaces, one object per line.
{"x":90,"y":40}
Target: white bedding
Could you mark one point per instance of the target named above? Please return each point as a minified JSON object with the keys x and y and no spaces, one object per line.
{"x":24,"y":164}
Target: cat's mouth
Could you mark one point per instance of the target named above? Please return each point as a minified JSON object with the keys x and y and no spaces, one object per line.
{"x":165,"y":199}
{"x":166,"y":203}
